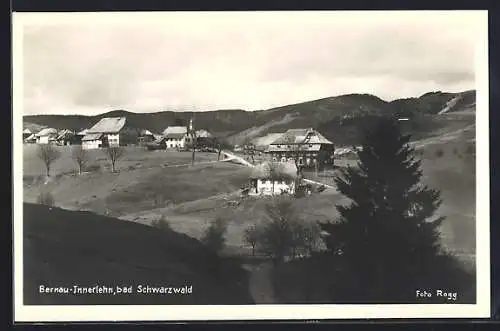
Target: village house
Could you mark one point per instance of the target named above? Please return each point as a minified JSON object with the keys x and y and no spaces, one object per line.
{"x":145,"y":136}
{"x":67,"y":137}
{"x":273,"y":178}
{"x":27,"y":133}
{"x":262,"y":143}
{"x":175,"y":137}
{"x":107,"y":132}
{"x":31,"y":139}
{"x":204,"y":139}
{"x":46,"y":136}
{"x":307,"y":146}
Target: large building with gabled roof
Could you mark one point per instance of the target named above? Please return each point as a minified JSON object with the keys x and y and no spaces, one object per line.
{"x":306,"y":147}
{"x":107,"y":132}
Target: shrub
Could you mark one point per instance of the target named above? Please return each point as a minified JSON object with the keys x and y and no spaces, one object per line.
{"x":214,"y":236}
{"x":94,"y":167}
{"x":45,"y":198}
{"x":161,"y":223}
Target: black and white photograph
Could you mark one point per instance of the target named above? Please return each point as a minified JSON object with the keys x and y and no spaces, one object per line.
{"x":250,"y":165}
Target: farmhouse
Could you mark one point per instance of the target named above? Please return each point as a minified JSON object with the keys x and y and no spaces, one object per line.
{"x":307,"y":146}
{"x":145,"y":136}
{"x":272,"y":178}
{"x":262,"y":143}
{"x":46,"y":136}
{"x":109,"y":131}
{"x":67,"y":137}
{"x":204,"y":139}
{"x":31,"y":139}
{"x":175,"y":137}
{"x":27,"y":133}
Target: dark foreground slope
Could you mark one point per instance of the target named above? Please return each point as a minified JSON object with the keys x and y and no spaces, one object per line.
{"x":67,"y":248}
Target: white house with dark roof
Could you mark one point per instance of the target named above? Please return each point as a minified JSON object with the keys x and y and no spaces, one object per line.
{"x":106,"y":132}
{"x":305,"y":145}
{"x":46,"y":136}
{"x":175,"y":137}
{"x":273,"y":178}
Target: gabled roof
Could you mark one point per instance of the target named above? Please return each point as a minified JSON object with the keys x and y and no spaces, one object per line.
{"x":267,"y":139}
{"x":92,"y":136}
{"x":27,"y":131}
{"x":146,"y":132}
{"x":64,"y":133}
{"x":32,"y":137}
{"x":175,"y":135}
{"x":282,"y":170}
{"x":301,"y":136}
{"x":175,"y":129}
{"x":83,"y":132}
{"x":47,"y":132}
{"x":108,"y":125}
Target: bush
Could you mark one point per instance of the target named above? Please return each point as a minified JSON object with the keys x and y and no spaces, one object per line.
{"x":439,"y":153}
{"x":214,"y":236}
{"x":45,"y":198}
{"x":94,"y":168}
{"x":161,"y":223}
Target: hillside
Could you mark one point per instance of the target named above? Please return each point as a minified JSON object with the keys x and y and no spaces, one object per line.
{"x":66,"y":248}
{"x":336,"y":117}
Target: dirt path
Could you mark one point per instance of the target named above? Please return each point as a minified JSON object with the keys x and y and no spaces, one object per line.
{"x":241,"y":160}
{"x":261,"y":287}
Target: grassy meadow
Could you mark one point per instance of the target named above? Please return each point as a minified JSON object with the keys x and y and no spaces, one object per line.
{"x":190,"y":197}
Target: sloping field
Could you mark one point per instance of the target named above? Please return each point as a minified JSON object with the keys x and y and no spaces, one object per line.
{"x":142,"y":188}
{"x":67,"y":248}
{"x":448,"y":164}
{"x":192,"y":217}
{"x":134,"y":157}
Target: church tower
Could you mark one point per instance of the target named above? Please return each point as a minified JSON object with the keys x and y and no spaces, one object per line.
{"x":191,"y":127}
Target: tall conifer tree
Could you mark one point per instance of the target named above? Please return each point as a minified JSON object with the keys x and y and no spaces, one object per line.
{"x":387,"y":238}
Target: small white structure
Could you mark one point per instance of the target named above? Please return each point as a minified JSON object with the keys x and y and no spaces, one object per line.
{"x":46,"y":136}
{"x":104,"y":133}
{"x":92,"y":141}
{"x":273,"y":178}
{"x":175,"y":137}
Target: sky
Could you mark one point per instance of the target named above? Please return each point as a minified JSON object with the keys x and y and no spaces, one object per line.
{"x":78,"y":64}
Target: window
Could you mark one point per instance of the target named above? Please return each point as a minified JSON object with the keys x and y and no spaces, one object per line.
{"x":310,"y":145}
{"x":278,"y":146}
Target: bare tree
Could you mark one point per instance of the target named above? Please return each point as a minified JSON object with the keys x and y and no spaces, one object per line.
{"x":81,"y":157}
{"x":311,"y":237}
{"x":48,"y":154}
{"x":220,"y":145}
{"x":251,"y":236}
{"x":192,"y":134}
{"x":297,"y":149}
{"x":248,"y":148}
{"x":114,"y":154}
{"x":274,"y":173}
